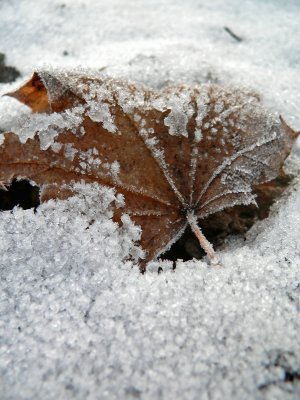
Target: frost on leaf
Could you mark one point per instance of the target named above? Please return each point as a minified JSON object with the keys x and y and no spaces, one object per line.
{"x":177,"y":155}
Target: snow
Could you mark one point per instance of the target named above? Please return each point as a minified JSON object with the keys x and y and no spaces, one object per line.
{"x":76,"y":320}
{"x":48,"y":126}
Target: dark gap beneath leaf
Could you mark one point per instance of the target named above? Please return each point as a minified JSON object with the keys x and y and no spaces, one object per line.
{"x":231,"y":221}
{"x":216,"y":228}
{"x":20,"y":193}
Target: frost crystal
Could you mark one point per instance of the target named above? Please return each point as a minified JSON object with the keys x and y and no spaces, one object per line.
{"x":181,"y":111}
{"x":47,"y":126}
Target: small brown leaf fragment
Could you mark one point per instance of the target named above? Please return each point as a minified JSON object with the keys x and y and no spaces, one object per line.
{"x":177,"y":155}
{"x":33,"y":94}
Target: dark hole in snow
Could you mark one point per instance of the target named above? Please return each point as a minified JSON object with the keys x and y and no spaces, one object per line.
{"x":291,"y":376}
{"x":132,"y":392}
{"x":19,"y":193}
{"x":7,"y":73}
{"x":286,"y":361}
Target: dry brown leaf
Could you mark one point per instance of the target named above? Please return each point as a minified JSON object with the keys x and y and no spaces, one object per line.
{"x":177,"y":155}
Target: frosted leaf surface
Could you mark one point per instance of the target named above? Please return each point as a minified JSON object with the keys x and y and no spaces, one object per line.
{"x":174,"y":152}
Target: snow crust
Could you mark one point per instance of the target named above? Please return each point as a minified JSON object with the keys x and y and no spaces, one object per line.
{"x":76,"y":320}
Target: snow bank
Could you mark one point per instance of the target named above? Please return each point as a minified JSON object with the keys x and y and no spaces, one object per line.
{"x":76,"y":322}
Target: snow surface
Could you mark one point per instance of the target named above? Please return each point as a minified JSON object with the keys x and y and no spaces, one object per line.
{"x":79,"y":322}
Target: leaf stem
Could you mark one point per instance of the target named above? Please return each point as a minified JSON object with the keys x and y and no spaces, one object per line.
{"x":3,"y":187}
{"x":204,"y":243}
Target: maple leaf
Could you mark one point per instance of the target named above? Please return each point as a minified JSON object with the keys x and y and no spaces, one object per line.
{"x":177,"y":155}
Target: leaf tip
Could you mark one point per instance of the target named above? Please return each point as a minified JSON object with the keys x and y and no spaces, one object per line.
{"x":33,"y":94}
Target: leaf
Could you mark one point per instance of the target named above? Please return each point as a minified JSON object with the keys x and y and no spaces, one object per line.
{"x":177,"y":155}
